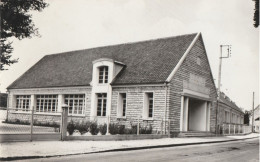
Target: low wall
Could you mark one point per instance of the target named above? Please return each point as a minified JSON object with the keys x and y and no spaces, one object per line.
{"x":41,"y":118}
{"x":116,"y":137}
{"x":27,"y":137}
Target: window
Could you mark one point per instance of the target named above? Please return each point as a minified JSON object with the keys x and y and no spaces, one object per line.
{"x":23,"y":102}
{"x":148,"y":105}
{"x":103,"y":74}
{"x":122,"y":105}
{"x":76,"y":103}
{"x":101,"y":104}
{"x":198,"y":60}
{"x":46,"y":103}
{"x":226,"y":116}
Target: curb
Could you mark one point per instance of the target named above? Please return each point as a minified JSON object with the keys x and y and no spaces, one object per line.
{"x":121,"y":149}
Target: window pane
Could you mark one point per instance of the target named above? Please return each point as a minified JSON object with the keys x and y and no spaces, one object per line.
{"x":46,"y":103}
{"x":99,"y":105}
{"x":150,"y":105}
{"x":23,"y":102}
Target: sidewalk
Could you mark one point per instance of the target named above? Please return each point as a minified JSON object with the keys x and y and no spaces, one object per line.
{"x":37,"y":149}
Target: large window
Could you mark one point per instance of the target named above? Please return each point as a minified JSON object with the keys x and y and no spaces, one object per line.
{"x":103,"y":74}
{"x":101,"y":104}
{"x":227,"y":117}
{"x":76,"y":103}
{"x":121,"y":105}
{"x":46,"y":103}
{"x":148,"y":105}
{"x":23,"y":102}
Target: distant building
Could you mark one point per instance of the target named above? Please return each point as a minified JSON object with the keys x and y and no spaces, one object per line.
{"x":168,"y":78}
{"x":229,"y":112}
{"x":3,"y":100}
{"x":256,"y":118}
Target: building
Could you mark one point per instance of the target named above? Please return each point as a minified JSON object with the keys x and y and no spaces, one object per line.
{"x":229,"y":112}
{"x":162,"y":79}
{"x":3,"y":100}
{"x":256,"y":119}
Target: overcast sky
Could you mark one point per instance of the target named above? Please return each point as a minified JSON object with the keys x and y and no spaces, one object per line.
{"x":79,"y":24}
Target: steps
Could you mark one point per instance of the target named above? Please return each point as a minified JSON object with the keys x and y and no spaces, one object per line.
{"x":196,"y":134}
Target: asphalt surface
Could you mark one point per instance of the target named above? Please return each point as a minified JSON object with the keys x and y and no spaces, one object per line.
{"x":238,"y":151}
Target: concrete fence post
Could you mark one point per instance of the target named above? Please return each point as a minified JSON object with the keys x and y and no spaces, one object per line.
{"x":234,"y":128}
{"x":108,"y":123}
{"x":244,"y":131}
{"x":169,"y":128}
{"x":223,"y":129}
{"x":64,"y":121}
{"x":138,"y":125}
{"x":31,"y":125}
{"x":7,"y":112}
{"x":162,"y":126}
{"x":238,"y":129}
{"x":229,"y":129}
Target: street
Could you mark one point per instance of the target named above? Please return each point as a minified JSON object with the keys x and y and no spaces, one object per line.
{"x":238,"y":151}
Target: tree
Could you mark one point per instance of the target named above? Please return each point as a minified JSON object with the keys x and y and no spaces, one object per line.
{"x":246,"y":117}
{"x":256,"y":14}
{"x":16,"y":22}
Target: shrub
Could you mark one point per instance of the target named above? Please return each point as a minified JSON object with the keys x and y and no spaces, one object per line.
{"x":132,"y":130}
{"x":83,"y":127}
{"x":71,"y":127}
{"x":113,"y":128}
{"x":121,"y":129}
{"x":146,"y":130}
{"x":103,"y":129}
{"x":93,"y":128}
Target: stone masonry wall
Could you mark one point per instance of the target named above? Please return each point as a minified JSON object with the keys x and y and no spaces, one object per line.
{"x":135,"y":104}
{"x":223,"y":108}
{"x":54,"y":117}
{"x":183,"y":73}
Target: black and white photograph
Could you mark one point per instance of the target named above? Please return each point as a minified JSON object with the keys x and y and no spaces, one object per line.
{"x":129,"y":80}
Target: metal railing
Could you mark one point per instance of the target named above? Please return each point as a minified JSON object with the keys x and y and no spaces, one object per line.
{"x":228,"y":129}
{"x":27,"y":121}
{"x":107,"y":124}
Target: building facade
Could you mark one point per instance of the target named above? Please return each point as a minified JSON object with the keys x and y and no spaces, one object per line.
{"x":166,"y":79}
{"x":229,"y":112}
{"x":256,"y":119}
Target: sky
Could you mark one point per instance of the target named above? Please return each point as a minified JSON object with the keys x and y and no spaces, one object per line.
{"x":69,"y":25}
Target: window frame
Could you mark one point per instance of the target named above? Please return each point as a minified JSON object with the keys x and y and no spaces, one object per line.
{"x":120,"y":108}
{"x":104,"y":75}
{"x":20,"y":105}
{"x":40,"y":107}
{"x":75,"y":97}
{"x":146,"y":105}
{"x":102,"y":105}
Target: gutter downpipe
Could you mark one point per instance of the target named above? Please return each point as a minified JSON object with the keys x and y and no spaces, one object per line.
{"x":165,"y":109}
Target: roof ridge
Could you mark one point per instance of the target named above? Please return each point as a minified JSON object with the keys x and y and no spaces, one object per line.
{"x":120,"y":44}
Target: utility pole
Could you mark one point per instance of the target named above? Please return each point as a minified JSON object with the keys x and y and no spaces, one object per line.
{"x":253,"y":112}
{"x":219,"y":78}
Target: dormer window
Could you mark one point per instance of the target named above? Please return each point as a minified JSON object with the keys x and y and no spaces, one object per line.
{"x":103,"y":74}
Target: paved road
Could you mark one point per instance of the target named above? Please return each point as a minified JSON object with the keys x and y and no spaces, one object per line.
{"x":239,"y":151}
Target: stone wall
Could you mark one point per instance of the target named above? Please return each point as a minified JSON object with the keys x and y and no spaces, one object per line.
{"x":51,"y":117}
{"x":221,"y":116}
{"x":190,"y":66}
{"x":135,"y":105}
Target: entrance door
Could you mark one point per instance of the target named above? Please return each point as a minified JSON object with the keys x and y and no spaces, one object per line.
{"x":195,"y":115}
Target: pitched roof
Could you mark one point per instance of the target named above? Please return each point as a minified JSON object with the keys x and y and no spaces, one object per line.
{"x":147,"y":62}
{"x":227,"y":101}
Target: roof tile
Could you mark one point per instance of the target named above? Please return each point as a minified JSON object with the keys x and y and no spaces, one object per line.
{"x":146,"y":62}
